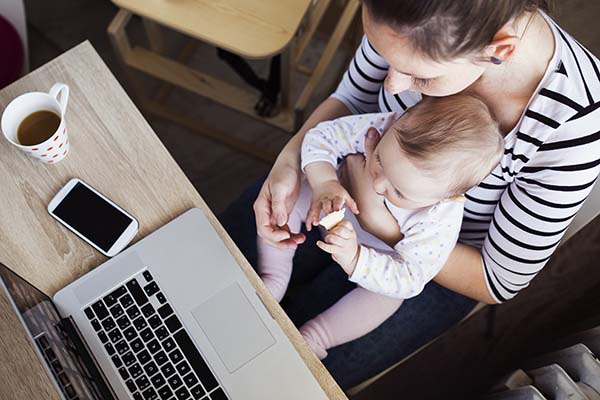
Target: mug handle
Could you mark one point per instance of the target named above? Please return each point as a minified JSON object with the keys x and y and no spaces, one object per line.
{"x":62,"y":90}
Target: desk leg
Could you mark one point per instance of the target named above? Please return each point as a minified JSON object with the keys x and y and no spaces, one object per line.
{"x":122,"y":47}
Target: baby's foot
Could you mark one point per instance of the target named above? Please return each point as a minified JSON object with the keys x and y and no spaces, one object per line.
{"x":312,"y":337}
{"x":275,"y":284}
{"x":274,"y":267}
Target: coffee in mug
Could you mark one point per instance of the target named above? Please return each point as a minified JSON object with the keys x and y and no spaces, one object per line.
{"x":35,"y":123}
{"x":36,"y":128}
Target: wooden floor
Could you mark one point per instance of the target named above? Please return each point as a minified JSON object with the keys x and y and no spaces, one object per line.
{"x":461,"y":365}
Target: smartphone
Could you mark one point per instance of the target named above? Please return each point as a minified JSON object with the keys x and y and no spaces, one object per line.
{"x":93,"y":217}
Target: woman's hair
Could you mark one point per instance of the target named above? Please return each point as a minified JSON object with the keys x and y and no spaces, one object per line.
{"x":447,"y":29}
{"x":453,"y":138}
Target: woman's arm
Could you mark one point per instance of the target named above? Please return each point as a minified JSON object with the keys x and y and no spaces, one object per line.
{"x":463,"y":273}
{"x":532,"y":215}
{"x":329,"y":109}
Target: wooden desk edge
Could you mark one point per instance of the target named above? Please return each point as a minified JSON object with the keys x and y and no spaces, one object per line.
{"x":20,"y":365}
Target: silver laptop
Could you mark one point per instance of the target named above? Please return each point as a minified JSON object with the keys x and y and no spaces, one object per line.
{"x":172,"y":317}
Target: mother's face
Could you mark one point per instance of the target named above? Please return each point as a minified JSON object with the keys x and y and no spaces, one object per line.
{"x":409,"y":70}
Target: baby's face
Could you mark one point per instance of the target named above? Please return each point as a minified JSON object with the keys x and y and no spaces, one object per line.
{"x":397,"y":179}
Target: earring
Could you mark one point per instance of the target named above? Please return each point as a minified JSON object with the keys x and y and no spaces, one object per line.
{"x":495,"y":61}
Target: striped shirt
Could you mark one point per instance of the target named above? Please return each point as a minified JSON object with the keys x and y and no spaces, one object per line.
{"x":519,"y":213}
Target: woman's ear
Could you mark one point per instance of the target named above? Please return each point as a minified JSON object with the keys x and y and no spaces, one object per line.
{"x":503,"y":46}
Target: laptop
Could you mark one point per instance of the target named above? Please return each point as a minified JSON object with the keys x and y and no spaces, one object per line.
{"x":171,"y":317}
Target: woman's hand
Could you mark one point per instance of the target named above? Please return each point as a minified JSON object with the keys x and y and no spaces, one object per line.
{"x":273,"y":205}
{"x":374,"y":216}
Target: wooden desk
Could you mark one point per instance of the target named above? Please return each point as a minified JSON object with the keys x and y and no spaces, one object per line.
{"x":19,"y":362}
{"x":115,"y":150}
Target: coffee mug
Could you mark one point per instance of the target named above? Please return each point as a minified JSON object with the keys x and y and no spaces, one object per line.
{"x":56,"y":146}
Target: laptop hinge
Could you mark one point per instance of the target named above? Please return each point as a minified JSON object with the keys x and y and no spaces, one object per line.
{"x":67,"y":327}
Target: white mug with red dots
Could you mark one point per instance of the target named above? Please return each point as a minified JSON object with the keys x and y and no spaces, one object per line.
{"x":56,"y":146}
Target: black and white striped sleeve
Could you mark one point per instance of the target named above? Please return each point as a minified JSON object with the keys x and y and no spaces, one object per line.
{"x":536,"y":208}
{"x":362,"y":81}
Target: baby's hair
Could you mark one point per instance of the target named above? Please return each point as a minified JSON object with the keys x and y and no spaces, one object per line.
{"x":453,"y":136}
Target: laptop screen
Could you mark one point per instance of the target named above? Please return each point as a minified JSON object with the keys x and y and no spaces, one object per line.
{"x":56,"y":340}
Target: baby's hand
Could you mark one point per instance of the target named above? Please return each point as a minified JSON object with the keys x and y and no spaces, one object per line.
{"x":342,"y":244}
{"x":328,"y":196}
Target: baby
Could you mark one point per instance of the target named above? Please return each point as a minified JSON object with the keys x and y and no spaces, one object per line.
{"x":426,"y":160}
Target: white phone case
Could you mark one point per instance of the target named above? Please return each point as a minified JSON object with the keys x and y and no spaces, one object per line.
{"x":126,"y":236}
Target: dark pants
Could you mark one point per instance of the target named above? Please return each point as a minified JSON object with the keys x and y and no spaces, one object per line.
{"x":318,"y":282}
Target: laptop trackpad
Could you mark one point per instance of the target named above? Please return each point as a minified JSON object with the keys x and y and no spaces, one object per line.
{"x":233,"y":327}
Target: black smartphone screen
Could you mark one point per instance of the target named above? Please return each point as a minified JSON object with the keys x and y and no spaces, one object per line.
{"x":92,"y":216}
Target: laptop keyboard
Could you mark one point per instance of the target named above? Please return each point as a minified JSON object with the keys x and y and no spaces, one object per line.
{"x":148,"y":345}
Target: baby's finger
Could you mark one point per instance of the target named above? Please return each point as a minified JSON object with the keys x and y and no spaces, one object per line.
{"x":343,"y":231}
{"x":338,"y":203}
{"x":327,"y":206}
{"x":331,"y":249}
{"x":335,"y":240}
{"x":345,"y":224}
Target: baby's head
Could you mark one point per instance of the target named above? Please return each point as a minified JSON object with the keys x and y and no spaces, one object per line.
{"x":437,"y":150}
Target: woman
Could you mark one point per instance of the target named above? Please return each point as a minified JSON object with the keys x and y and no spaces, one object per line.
{"x":544,"y":90}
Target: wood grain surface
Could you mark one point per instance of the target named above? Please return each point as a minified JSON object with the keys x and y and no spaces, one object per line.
{"x":115,"y":150}
{"x":21,"y":373}
{"x":250,"y":28}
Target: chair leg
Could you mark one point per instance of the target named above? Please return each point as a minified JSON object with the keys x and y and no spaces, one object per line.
{"x":269,"y":89}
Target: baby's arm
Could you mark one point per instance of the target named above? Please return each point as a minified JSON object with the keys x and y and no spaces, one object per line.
{"x":321,"y":148}
{"x":416,"y":259}
{"x":380,"y":223}
{"x":331,"y":140}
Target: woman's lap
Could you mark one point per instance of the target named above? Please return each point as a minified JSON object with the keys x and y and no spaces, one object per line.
{"x":417,"y":321}
{"x":317,"y":283}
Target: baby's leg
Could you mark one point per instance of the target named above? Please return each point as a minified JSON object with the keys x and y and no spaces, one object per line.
{"x":275,"y":265}
{"x":353,"y":316}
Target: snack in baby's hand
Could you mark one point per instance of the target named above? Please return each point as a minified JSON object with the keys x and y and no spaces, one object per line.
{"x":332,"y":219}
